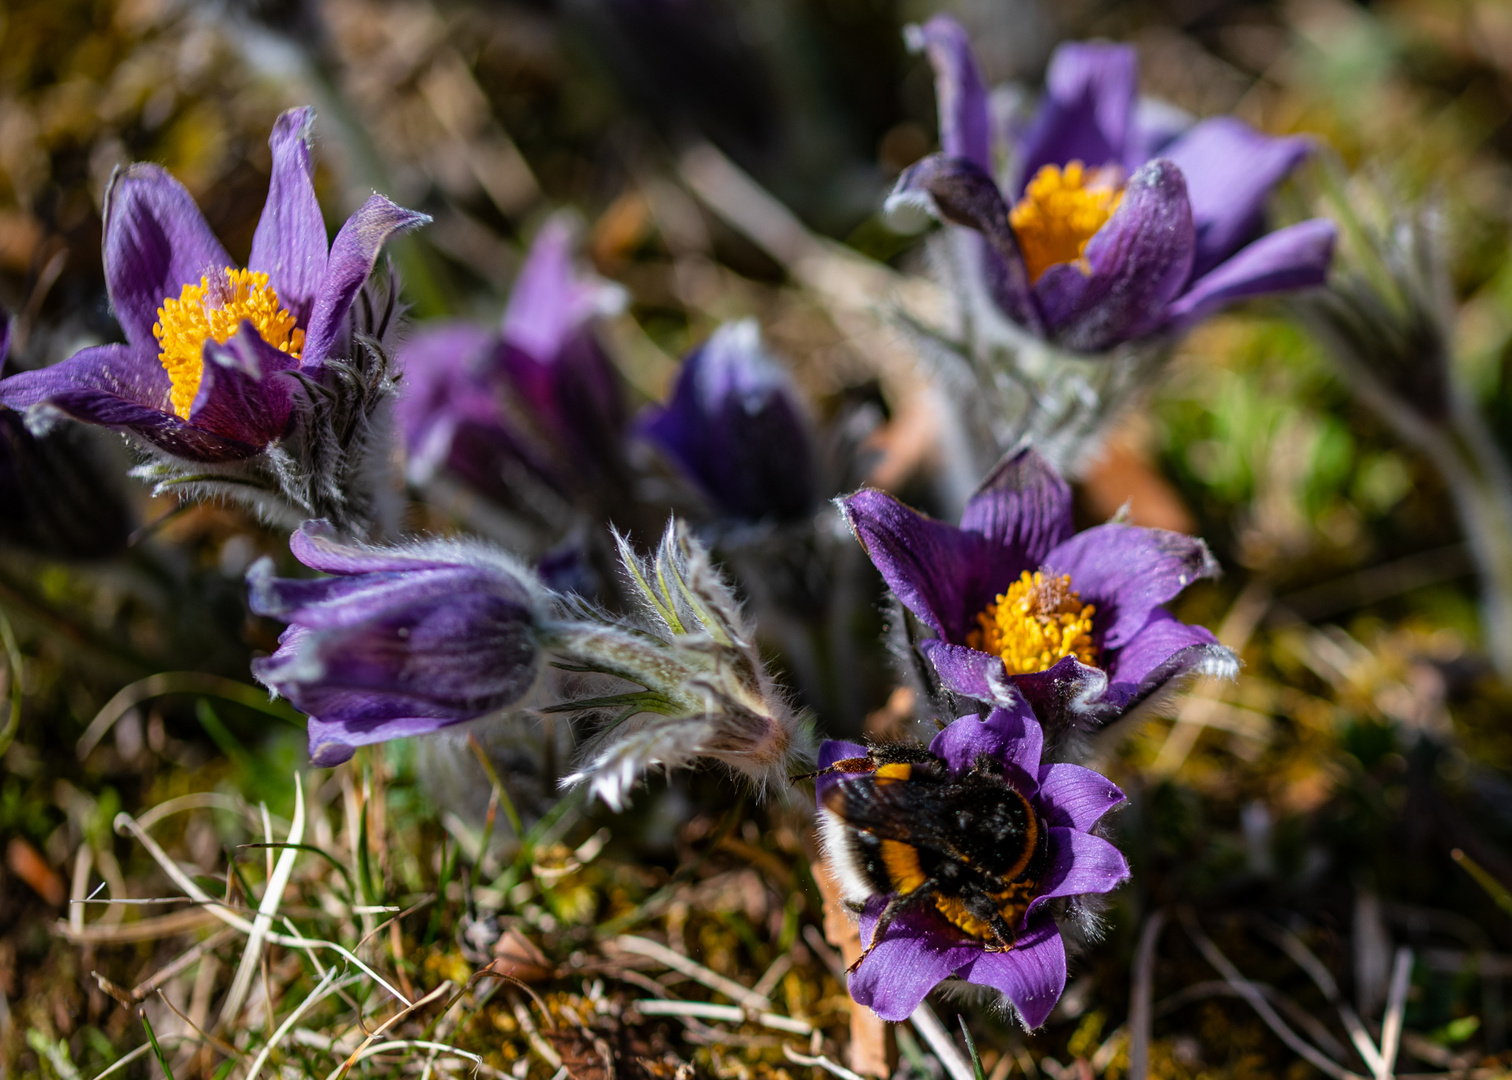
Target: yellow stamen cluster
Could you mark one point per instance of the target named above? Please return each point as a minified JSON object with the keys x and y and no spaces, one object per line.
{"x":207,"y":312}
{"x":1035,"y":623}
{"x":1061,"y":210}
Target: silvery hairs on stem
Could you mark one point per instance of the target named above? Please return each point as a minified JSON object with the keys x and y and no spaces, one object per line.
{"x":703,"y":689}
{"x":334,"y":461}
{"x":1007,"y":386}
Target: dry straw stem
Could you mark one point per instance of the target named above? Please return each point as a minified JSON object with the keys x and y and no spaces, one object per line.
{"x":729,"y":1014}
{"x":819,"y":1062}
{"x":928,"y":1025}
{"x":125,"y":822}
{"x":679,"y":963}
{"x":272,"y":897}
{"x":1140,"y":1017}
{"x":1253,"y":994}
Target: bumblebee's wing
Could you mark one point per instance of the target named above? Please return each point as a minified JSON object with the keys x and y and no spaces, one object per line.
{"x":917,"y":814}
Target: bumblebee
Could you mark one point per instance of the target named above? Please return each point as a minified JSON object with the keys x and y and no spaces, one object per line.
{"x":970,"y":845}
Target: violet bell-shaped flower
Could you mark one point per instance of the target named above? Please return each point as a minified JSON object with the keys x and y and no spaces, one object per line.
{"x":1020,"y":605}
{"x":735,"y":425}
{"x":537,"y":392}
{"x":1107,"y":232}
{"x":205,"y":372}
{"x":925,"y":942}
{"x":398,"y":641}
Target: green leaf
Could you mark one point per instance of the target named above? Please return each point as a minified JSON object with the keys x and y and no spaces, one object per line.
{"x":976,"y":1060}
{"x":157,"y":1051}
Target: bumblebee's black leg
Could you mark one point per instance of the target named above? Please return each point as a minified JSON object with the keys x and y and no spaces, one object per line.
{"x":985,"y":908}
{"x":853,"y":765}
{"x":896,"y":906}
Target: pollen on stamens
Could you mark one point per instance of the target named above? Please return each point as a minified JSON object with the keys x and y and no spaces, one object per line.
{"x":1037,"y":622}
{"x":1061,"y":211}
{"x":214,"y":312}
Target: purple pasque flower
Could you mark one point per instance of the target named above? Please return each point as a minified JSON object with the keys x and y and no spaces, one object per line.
{"x":1021,"y":604}
{"x":399,"y":641}
{"x":735,"y":425}
{"x":204,"y":373}
{"x":537,"y":392}
{"x":1109,"y":230}
{"x":922,"y":947}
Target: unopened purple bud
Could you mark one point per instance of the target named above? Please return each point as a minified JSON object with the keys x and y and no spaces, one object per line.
{"x":736,"y":426}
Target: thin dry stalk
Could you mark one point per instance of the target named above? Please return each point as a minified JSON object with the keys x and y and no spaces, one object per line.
{"x":1396,"y":1006}
{"x":819,"y":1062}
{"x":681,"y":964}
{"x":928,"y":1025}
{"x":1140,"y":1017}
{"x":1256,"y":998}
{"x":278,"y":880}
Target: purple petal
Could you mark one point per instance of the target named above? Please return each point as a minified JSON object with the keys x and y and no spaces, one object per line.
{"x":1128,"y":571}
{"x":1075,"y":798}
{"x":440,"y":389}
{"x":318,"y":546}
{"x":1087,"y":112}
{"x":1163,"y":650}
{"x":1032,"y":974}
{"x":107,"y":385}
{"x":916,"y":953}
{"x":550,"y":301}
{"x":958,"y":191}
{"x":1012,"y":736}
{"x":831,"y":751}
{"x":960,"y":96}
{"x":1296,"y":257}
{"x":1023,"y":505}
{"x":1080,"y":863}
{"x":736,"y":426}
{"x":290,"y":243}
{"x":354,"y":252}
{"x":333,"y":743}
{"x":1230,"y":169}
{"x":1138,"y":263}
{"x":156,"y":242}
{"x":1066,"y":695}
{"x":971,"y":672}
{"x":337,"y":603}
{"x":938,"y":572}
{"x":241,"y":393}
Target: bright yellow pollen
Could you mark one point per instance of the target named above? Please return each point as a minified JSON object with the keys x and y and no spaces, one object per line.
{"x":1061,"y":210}
{"x":1036,"y":622}
{"x":202,"y":314}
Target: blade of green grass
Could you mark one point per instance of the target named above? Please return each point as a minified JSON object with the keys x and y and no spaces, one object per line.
{"x":1495,"y":889}
{"x":157,"y":1051}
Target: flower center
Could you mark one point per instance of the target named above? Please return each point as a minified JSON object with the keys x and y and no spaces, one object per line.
{"x":1061,"y":210}
{"x":1036,"y":622}
{"x":207,"y":312}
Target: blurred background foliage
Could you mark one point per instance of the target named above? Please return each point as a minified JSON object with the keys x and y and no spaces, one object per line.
{"x":1324,"y":793}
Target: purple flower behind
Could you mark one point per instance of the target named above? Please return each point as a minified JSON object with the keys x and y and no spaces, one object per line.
{"x":921,"y":948}
{"x":400,"y":640}
{"x":1021,"y":605}
{"x":735,"y":425}
{"x":205,"y":373}
{"x":1097,"y":240}
{"x":537,"y":393}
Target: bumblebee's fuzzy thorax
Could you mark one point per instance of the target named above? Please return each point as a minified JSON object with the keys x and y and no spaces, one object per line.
{"x":970,"y":845}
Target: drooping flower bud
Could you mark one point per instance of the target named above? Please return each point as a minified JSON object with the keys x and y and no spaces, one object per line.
{"x":735,"y":426}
